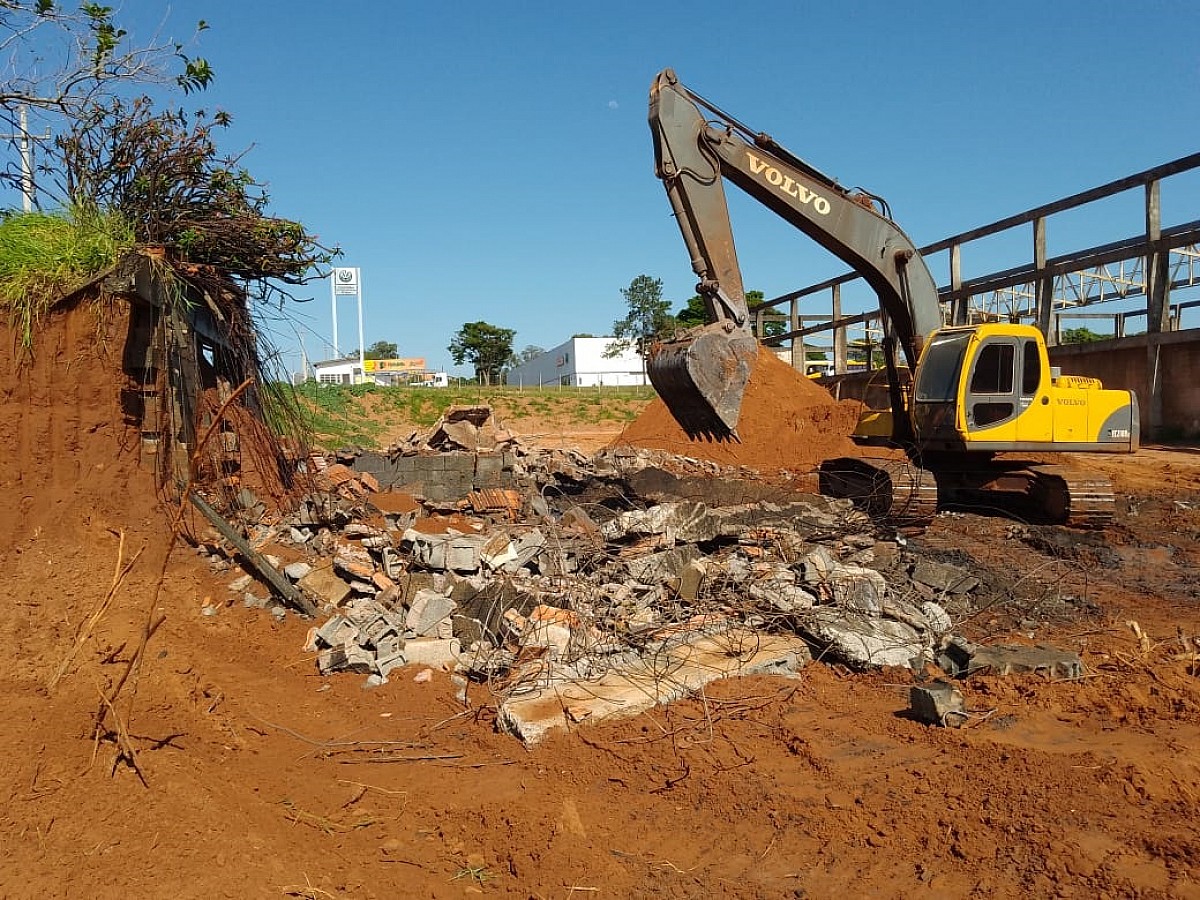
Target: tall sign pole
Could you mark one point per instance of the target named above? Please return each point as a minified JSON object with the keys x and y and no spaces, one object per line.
{"x":346,"y":283}
{"x":25,"y":146}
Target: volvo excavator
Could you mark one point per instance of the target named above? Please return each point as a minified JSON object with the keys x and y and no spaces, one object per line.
{"x":976,"y":395}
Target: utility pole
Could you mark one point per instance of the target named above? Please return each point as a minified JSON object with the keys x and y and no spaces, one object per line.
{"x":25,"y":144}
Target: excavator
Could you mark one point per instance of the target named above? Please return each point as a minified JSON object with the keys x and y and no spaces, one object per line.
{"x":974,"y":395}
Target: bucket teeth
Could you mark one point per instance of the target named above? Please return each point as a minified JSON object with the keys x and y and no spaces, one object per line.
{"x":702,"y":378}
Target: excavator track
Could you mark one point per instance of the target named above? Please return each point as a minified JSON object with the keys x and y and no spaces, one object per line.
{"x":1075,"y":497}
{"x":894,"y":491}
{"x":901,"y":493}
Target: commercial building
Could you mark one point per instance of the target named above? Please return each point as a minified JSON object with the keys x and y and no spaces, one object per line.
{"x":581,"y":362}
{"x":384,"y":372}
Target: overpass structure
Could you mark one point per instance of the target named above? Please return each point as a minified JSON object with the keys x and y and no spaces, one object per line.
{"x":1155,"y":270}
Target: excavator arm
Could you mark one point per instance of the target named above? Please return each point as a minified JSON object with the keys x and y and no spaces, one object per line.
{"x":702,"y":376}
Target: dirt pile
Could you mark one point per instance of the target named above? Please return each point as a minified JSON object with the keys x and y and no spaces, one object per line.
{"x":787,"y":422}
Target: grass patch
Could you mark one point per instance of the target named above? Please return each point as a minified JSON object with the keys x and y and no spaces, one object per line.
{"x":43,"y":256}
{"x":362,"y":415}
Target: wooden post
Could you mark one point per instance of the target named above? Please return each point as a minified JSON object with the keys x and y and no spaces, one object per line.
{"x":288,"y":591}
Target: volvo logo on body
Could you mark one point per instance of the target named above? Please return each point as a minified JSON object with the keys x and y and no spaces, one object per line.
{"x":787,"y":185}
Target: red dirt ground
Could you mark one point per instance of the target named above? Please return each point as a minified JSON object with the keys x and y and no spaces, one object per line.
{"x":258,"y":783}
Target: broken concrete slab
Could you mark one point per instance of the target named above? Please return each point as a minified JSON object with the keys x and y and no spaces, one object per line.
{"x":1016,"y":660}
{"x":778,"y":591}
{"x":678,"y":673}
{"x":858,"y":588}
{"x":428,"y":610}
{"x":861,"y":641}
{"x":434,"y":653}
{"x":663,"y":566}
{"x":327,"y":587}
{"x":683,"y":521}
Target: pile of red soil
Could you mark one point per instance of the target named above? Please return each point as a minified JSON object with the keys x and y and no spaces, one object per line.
{"x":787,"y":422}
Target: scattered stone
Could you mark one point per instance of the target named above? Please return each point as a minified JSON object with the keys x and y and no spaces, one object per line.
{"x":325,"y":586}
{"x":297,"y":570}
{"x":240,"y":584}
{"x":937,"y":703}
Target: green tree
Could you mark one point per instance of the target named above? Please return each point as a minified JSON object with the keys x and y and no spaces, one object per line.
{"x":695,"y":313}
{"x":1082,"y":336}
{"x":486,"y":347}
{"x":531,"y":352}
{"x":61,"y":61}
{"x":382,"y":350}
{"x":649,"y":317}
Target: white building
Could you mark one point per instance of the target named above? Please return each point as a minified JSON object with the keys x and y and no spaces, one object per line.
{"x":581,"y":362}
{"x":337,"y":371}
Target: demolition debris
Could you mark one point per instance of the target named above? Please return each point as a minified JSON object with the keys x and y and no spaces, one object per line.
{"x":572,"y":588}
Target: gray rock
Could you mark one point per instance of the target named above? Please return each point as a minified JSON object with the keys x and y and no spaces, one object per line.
{"x":859,"y":640}
{"x":944,"y":578}
{"x":297,"y":570}
{"x":858,"y":588}
{"x":938,"y":703}
{"x":428,"y":610}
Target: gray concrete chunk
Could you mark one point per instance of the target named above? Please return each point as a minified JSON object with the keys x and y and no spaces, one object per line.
{"x":861,"y":641}
{"x":938,"y":703}
{"x":942,"y":577}
{"x":1012,"y":660}
{"x":428,"y":610}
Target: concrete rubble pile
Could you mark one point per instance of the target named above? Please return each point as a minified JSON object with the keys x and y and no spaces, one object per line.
{"x":539,"y":573}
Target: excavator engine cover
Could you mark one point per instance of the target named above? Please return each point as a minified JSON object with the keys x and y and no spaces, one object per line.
{"x":702,"y":377}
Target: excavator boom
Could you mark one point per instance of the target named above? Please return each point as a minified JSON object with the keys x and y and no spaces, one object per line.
{"x":702,"y":375}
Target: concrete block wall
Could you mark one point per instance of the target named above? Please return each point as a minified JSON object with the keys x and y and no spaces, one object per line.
{"x":441,"y":476}
{"x":1125,"y":363}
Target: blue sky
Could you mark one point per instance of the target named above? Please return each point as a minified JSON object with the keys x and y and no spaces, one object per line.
{"x":492,"y":161}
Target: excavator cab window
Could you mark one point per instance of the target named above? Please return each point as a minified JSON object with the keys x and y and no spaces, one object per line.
{"x":991,"y":395}
{"x":937,"y":380}
{"x":1031,"y":370}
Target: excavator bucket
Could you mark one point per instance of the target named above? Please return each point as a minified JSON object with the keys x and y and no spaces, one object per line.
{"x":702,"y":377}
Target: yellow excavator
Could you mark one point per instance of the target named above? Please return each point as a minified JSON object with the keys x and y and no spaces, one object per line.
{"x":976,"y":394}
